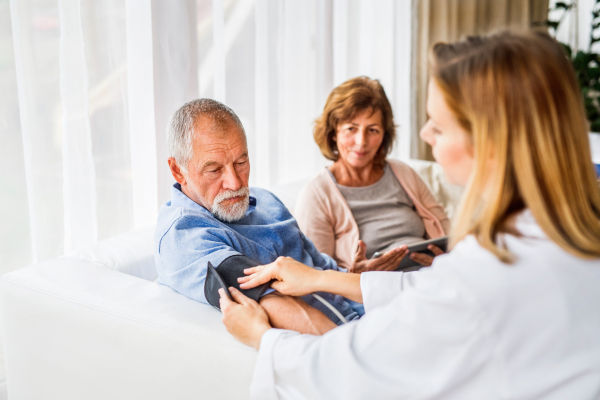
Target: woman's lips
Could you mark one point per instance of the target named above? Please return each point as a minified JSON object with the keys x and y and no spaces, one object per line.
{"x":359,"y":154}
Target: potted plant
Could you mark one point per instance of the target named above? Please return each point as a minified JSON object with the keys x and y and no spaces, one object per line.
{"x":586,"y":64}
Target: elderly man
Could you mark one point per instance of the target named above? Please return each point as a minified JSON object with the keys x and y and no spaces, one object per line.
{"x":213,"y":215}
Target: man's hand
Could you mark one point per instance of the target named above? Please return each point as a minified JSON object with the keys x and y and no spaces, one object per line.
{"x":387,"y":262}
{"x":424,"y":259}
{"x":291,"y":277}
{"x":245,"y":319}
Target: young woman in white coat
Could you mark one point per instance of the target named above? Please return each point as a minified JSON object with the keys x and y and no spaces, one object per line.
{"x":513,"y":311}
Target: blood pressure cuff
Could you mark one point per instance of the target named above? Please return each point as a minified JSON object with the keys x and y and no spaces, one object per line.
{"x":228,"y":271}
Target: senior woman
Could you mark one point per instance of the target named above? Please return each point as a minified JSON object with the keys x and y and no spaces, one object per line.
{"x":362,"y":195}
{"x":513,"y":311}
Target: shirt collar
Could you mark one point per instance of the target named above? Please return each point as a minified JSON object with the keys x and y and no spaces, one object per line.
{"x":179,"y":199}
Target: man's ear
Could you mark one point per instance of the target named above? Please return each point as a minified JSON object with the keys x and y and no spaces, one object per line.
{"x":176,"y":171}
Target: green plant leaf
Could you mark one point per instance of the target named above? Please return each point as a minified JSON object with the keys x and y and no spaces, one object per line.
{"x":552,"y":24}
{"x":595,"y":125}
{"x":562,"y":5}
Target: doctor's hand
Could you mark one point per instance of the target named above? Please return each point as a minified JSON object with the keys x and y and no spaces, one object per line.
{"x":244,"y":318}
{"x":389,"y":261}
{"x":291,"y":277}
{"x":425,"y":259}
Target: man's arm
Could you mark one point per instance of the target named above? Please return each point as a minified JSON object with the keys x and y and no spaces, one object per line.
{"x":287,"y":312}
{"x":183,"y":257}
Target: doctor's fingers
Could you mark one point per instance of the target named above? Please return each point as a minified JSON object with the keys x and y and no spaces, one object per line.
{"x":251,"y":281}
{"x":253,"y":270}
{"x":224,"y":301}
{"x":242,"y":298}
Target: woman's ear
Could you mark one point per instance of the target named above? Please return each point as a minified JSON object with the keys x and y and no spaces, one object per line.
{"x":176,"y":171}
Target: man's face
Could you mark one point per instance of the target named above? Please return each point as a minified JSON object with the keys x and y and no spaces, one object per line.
{"x":219,"y":170}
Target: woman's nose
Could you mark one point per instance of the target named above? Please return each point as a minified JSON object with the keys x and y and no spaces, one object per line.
{"x":426,"y":134}
{"x":360,"y":138}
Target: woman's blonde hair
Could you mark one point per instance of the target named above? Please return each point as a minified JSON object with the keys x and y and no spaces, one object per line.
{"x":516,"y":96}
{"x":344,"y":103}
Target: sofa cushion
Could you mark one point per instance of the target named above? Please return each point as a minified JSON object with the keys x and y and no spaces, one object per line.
{"x":445,"y":193}
{"x":131,"y":253}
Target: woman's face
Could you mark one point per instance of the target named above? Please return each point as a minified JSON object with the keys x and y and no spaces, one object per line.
{"x":359,"y":139}
{"x":452,"y":148}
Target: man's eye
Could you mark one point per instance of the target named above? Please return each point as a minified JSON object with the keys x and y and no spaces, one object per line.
{"x":242,"y":162}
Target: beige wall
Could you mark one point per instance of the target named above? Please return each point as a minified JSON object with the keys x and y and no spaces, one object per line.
{"x":450,"y":20}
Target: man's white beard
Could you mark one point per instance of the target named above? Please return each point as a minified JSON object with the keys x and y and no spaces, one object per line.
{"x":235,"y":211}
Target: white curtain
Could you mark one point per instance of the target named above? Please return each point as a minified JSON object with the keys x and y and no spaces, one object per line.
{"x":89,"y":85}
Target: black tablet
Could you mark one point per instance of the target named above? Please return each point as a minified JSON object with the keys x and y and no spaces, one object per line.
{"x":407,"y":264}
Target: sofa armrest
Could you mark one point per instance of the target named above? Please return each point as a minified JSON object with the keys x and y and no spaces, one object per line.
{"x":75,"y":330}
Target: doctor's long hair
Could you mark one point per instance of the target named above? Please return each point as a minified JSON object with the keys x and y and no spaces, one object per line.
{"x":516,"y":96}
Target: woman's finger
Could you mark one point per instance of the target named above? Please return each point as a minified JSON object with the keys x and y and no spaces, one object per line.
{"x":393,"y":263}
{"x":422,"y":259}
{"x":253,"y":270}
{"x":389,"y":261}
{"x":257,"y":279}
{"x":391,"y":255}
{"x":246,"y":278}
{"x":435,"y":250}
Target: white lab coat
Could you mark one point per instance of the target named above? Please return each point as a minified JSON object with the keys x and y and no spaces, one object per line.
{"x":468,"y":327}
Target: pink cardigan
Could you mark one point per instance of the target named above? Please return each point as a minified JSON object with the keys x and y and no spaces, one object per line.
{"x":325,"y":217}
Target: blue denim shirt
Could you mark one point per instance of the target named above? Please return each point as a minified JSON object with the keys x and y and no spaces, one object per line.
{"x":188,"y":236}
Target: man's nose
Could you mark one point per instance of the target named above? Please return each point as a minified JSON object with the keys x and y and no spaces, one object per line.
{"x":231,"y":180}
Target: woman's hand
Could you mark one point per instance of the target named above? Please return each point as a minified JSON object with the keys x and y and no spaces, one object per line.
{"x":244,"y":318}
{"x":291,"y":277}
{"x":425,"y":259}
{"x":387,"y":262}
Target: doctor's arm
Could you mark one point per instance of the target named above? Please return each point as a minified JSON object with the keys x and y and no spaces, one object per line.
{"x":296,"y":279}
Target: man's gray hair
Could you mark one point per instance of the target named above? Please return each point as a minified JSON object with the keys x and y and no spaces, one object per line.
{"x":181,"y":128}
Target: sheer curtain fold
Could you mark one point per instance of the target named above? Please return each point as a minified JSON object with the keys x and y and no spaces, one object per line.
{"x":175,"y":66}
{"x":140,"y":107}
{"x":263,"y":146}
{"x":40,"y":111}
{"x":26,"y":97}
{"x":219,"y":50}
{"x":79,"y":176}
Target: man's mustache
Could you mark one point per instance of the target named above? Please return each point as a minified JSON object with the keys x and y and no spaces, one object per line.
{"x":243,"y":192}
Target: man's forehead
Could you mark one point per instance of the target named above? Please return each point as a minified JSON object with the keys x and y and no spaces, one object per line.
{"x":212,"y":139}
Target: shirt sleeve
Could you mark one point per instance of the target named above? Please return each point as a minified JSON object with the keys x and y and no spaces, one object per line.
{"x":184,"y":252}
{"x":425,"y":343}
{"x":380,"y":287}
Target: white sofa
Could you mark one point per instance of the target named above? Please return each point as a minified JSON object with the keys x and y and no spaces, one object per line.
{"x":95,"y":325}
